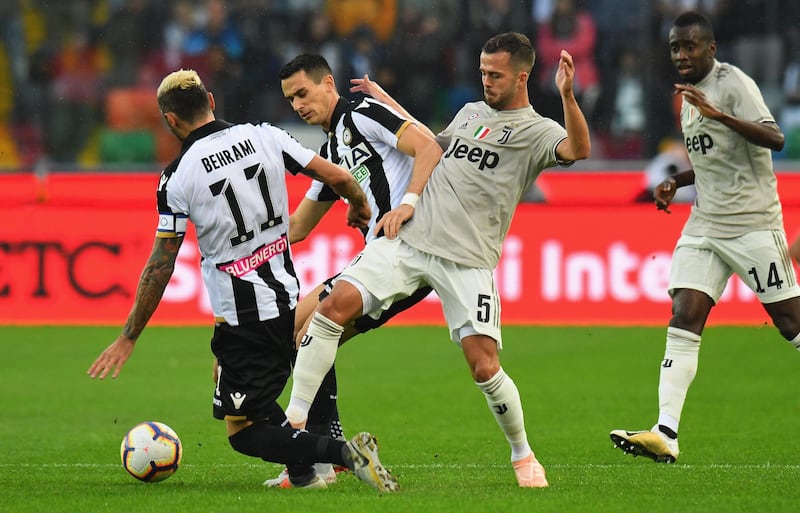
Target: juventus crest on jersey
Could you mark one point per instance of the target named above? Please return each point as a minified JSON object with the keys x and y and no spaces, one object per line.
{"x":229,"y":182}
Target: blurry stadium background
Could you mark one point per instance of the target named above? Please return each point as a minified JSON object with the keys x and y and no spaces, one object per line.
{"x":82,"y":141}
{"x":77,"y":77}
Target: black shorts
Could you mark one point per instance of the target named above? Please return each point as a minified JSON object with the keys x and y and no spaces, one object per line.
{"x":365,"y":322}
{"x":254,"y":365}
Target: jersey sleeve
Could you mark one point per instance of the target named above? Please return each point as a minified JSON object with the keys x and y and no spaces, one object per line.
{"x":550,"y":135}
{"x":379,"y":122}
{"x":173,"y":210}
{"x":445,"y":136}
{"x":295,"y":156}
{"x":746,"y":100}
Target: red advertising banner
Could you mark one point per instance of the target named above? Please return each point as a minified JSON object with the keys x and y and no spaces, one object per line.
{"x":73,"y":256}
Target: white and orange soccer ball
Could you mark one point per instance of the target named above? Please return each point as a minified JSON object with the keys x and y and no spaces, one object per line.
{"x":151,"y":451}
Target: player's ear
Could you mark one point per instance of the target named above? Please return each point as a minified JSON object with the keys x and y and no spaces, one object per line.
{"x":211,"y":102}
{"x":329,"y":81}
{"x":171,"y":119}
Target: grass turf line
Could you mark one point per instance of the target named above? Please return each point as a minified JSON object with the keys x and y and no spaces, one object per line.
{"x":60,"y":434}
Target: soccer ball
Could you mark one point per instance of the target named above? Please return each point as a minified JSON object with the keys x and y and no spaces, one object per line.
{"x":151,"y":451}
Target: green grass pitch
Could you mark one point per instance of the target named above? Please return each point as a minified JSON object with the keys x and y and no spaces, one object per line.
{"x":60,"y":431}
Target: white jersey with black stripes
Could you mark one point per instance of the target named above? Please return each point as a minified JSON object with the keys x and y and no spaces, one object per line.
{"x":363,"y":139}
{"x":229,"y":182}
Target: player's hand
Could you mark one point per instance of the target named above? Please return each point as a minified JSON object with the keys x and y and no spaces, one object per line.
{"x":697,"y":98}
{"x":368,"y":87}
{"x":358,"y":217}
{"x":114,"y":357}
{"x":663,"y":194}
{"x":215,"y":370}
{"x":565,"y":74}
{"x":392,"y":221}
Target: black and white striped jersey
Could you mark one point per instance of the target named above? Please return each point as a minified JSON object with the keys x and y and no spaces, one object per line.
{"x":363,"y":139}
{"x":229,"y":182}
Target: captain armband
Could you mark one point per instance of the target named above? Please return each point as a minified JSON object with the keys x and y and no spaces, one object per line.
{"x":171,"y":224}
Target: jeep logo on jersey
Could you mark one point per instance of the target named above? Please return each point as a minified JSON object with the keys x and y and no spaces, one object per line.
{"x":699,"y":142}
{"x":484,"y":158}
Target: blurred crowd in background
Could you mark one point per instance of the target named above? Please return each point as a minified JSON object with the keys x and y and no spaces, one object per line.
{"x":78,"y":77}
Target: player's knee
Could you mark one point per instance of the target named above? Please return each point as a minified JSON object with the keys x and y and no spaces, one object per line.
{"x":484,"y":369}
{"x":690,"y":311}
{"x":482,"y":374}
{"x":786,"y":317}
{"x":481,"y":354}
{"x":343,"y":305}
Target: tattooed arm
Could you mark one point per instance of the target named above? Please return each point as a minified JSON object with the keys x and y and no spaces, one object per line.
{"x":152,"y":282}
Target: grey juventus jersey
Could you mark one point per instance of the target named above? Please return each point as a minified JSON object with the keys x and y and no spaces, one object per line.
{"x":736,"y":185}
{"x":491,"y":158}
{"x":229,"y":181}
{"x":363,"y":139}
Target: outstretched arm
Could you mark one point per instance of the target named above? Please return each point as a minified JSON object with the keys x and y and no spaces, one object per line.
{"x":152,"y":282}
{"x":577,"y":145}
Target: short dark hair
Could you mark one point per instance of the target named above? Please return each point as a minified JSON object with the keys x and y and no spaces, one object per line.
{"x":183,"y":93}
{"x":516,"y":44}
{"x":314,"y":65}
{"x":691,"y":18}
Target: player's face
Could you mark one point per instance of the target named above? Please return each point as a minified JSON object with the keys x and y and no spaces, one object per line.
{"x":311,"y":101}
{"x":499,"y":78}
{"x":691,"y":52}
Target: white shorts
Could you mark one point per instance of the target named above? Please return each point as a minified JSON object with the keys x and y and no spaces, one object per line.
{"x":761,"y":259}
{"x":388,"y":270}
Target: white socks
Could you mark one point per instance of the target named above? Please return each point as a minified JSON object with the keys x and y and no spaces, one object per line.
{"x":677,"y":373}
{"x":503,"y":399}
{"x":314,"y":359}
